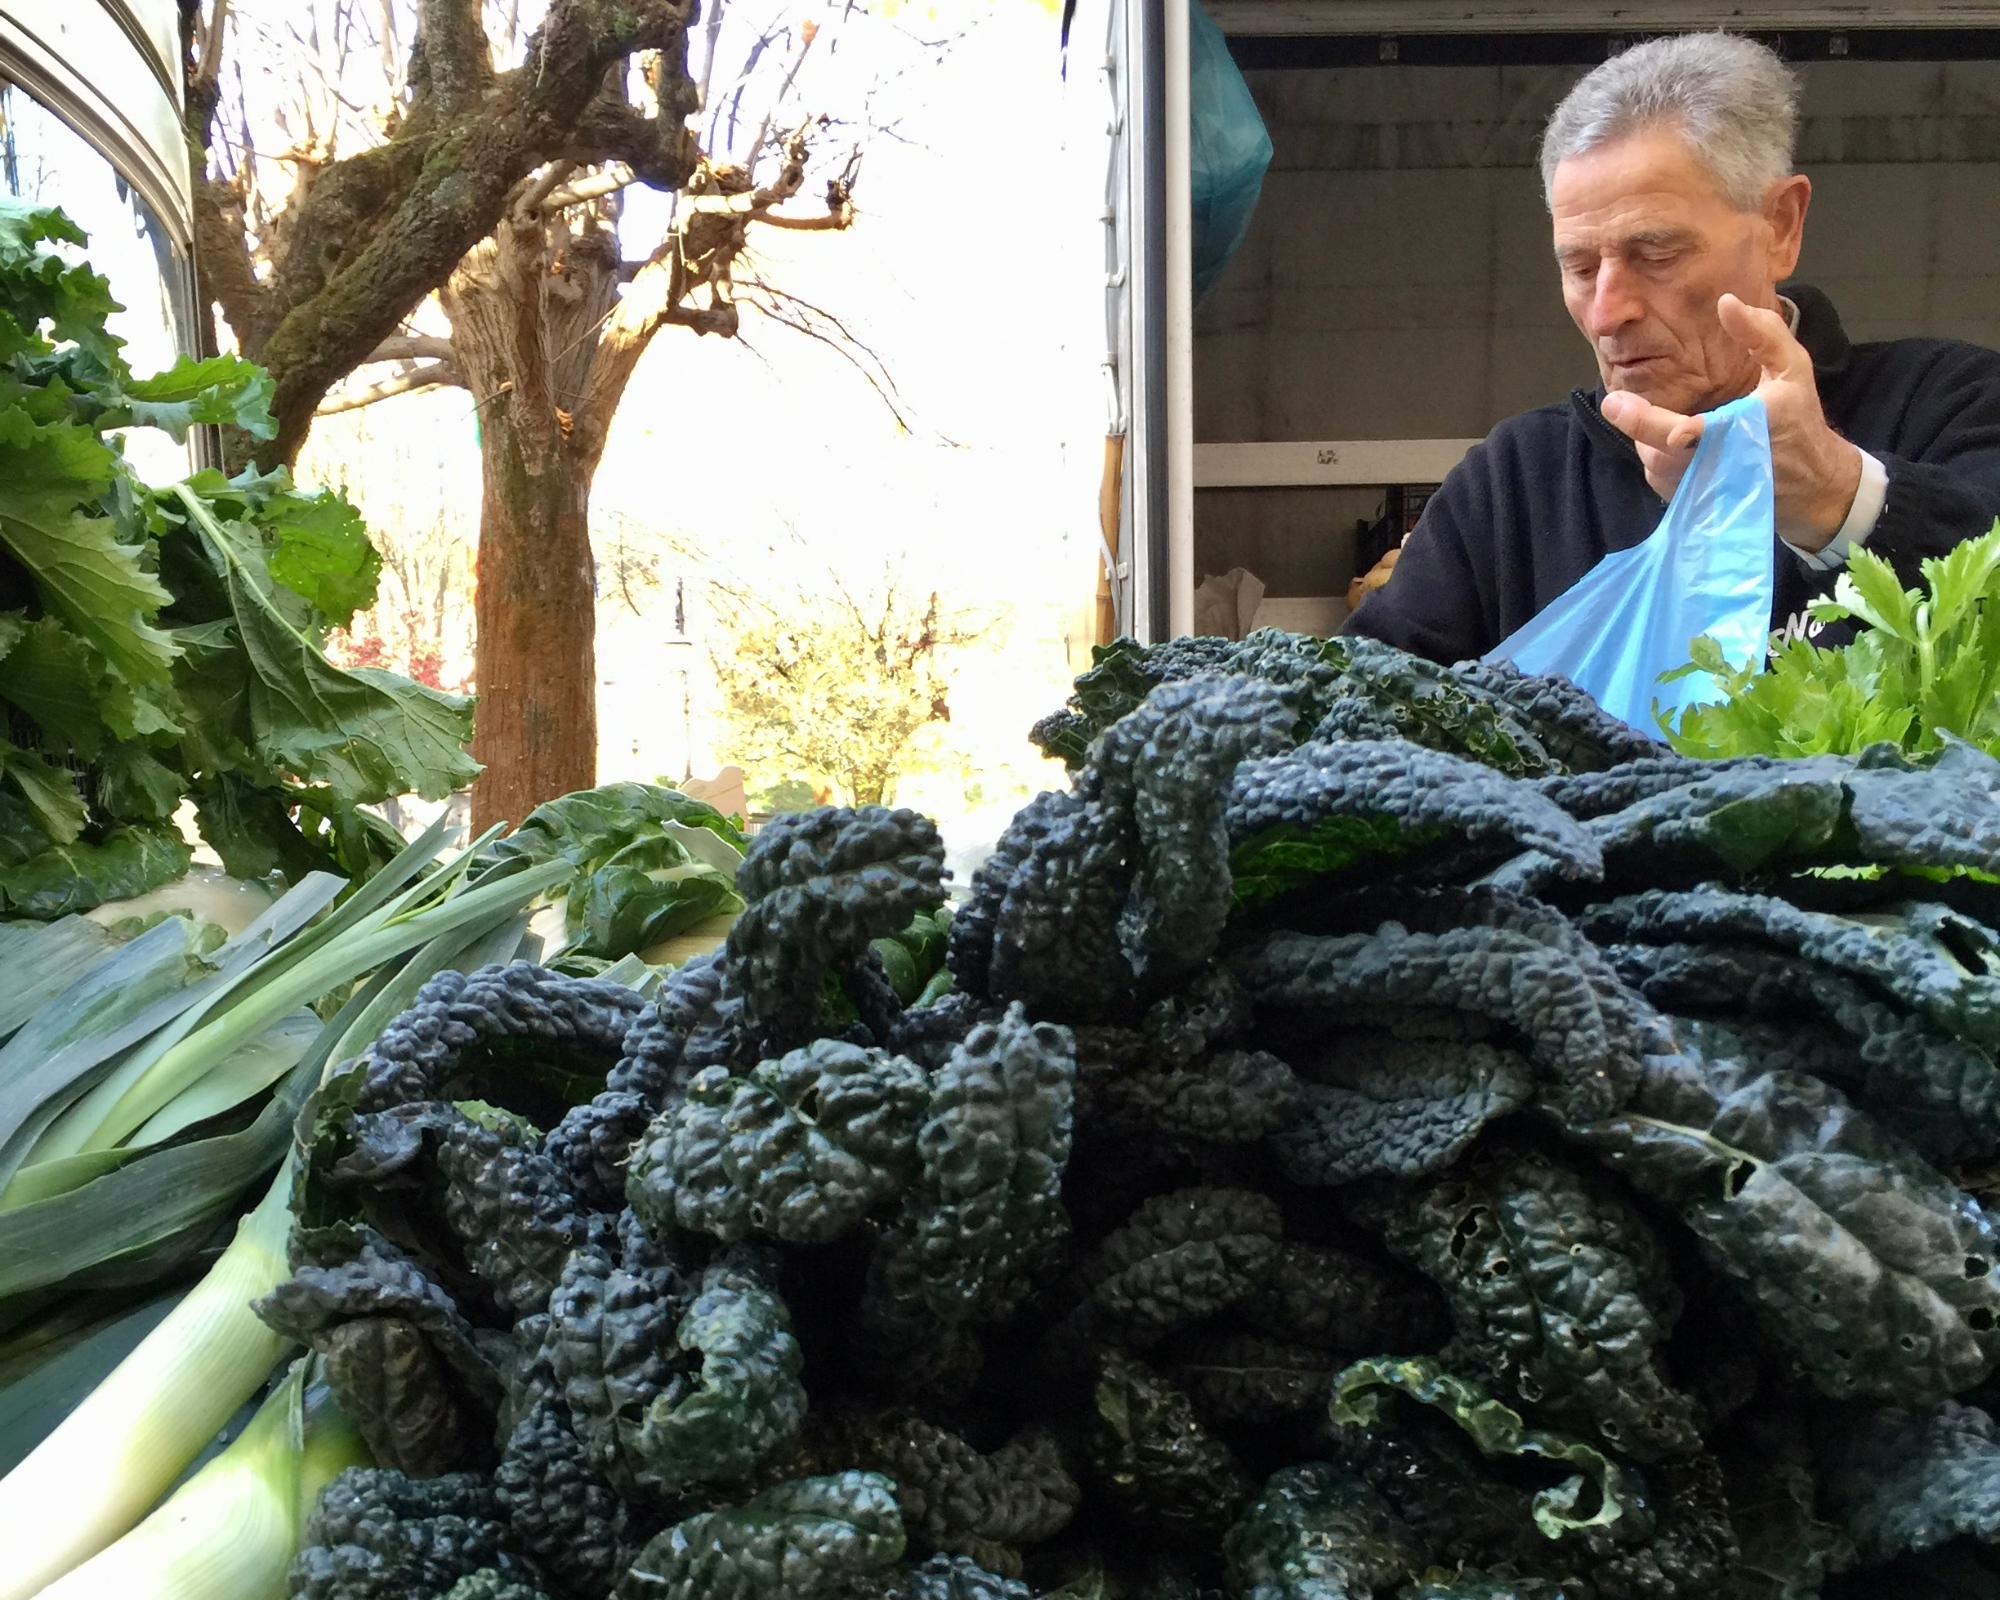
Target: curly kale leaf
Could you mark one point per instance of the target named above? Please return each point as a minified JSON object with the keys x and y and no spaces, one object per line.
{"x":560,"y":1509}
{"x":1902,"y":1479}
{"x":512,"y":1208}
{"x":1583,"y":1035}
{"x":1477,"y":1586}
{"x":1874,"y":1271}
{"x":593,"y":1143}
{"x":1250,"y":1377}
{"x":1692,"y":1551}
{"x":1335,"y":1300}
{"x":811,"y":1539}
{"x":898,"y":1343}
{"x":1398,"y":1108}
{"x":1585,"y":795}
{"x":379,"y":1535}
{"x":689,"y":1024}
{"x":1230,"y":1097}
{"x":1560,"y":1292}
{"x":800,"y":1149}
{"x":517,"y":1014}
{"x":1942,"y":966}
{"x":1463,"y":1511}
{"x":405,"y":1365}
{"x":744,"y":1399}
{"x":1168,"y":765}
{"x":1940,"y":1093}
{"x":1180,"y":1258}
{"x":1572,"y":727}
{"x":1384,"y":693}
{"x":988,"y":1203}
{"x":1279,"y":807}
{"x":1318,"y":1533}
{"x":1153,"y":1460}
{"x":1362,"y":1395}
{"x":946,"y":1577}
{"x":819,"y":885}
{"x":952,"y":1497}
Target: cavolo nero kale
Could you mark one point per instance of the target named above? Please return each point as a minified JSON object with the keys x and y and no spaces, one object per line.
{"x":1525,"y":1177}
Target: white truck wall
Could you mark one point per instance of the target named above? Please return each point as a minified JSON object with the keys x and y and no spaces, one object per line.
{"x":1397,"y":280}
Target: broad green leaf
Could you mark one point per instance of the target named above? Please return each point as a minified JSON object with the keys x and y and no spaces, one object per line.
{"x":135,"y":786}
{"x":76,"y":877}
{"x":13,"y":625}
{"x":320,"y":551}
{"x":222,"y":389}
{"x":250,"y":827}
{"x":366,"y":734}
{"x":49,"y":790}
{"x":55,"y":677}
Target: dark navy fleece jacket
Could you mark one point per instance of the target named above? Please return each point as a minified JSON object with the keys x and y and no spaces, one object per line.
{"x":1548,"y":494}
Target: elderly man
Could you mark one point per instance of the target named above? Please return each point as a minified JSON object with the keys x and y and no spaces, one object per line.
{"x":1668,"y":172}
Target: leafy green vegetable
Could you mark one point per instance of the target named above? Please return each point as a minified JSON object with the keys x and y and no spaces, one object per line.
{"x":1282,"y":857}
{"x":1927,"y":665}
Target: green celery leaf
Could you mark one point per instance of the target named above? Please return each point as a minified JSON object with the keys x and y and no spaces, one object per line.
{"x":321,"y":552}
{"x":1967,"y":574}
{"x":1870,"y":589}
{"x":223,"y":389}
{"x":76,"y":877}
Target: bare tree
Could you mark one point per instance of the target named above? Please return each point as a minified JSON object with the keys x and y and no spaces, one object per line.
{"x":500,"y":188}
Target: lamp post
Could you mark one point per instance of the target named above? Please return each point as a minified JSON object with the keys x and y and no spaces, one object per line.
{"x":678,"y":646}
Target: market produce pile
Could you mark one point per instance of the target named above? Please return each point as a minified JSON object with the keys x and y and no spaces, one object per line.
{"x":1393,"y":1131}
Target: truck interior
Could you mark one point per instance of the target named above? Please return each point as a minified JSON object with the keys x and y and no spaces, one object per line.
{"x":1395,"y":297}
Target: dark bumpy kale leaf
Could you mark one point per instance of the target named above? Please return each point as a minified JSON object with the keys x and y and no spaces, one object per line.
{"x":1384,"y":693}
{"x":801,"y":1149}
{"x":820,"y":885}
{"x":1901,"y":1479}
{"x":1168,"y":767}
{"x":1875,"y":1272}
{"x":1250,"y":1377}
{"x":1463,"y":1512}
{"x":1181,"y":1258}
{"x":1126,"y":1082}
{"x":512,"y":1208}
{"x":811,"y":1539}
{"x":1560,"y":1291}
{"x":519,"y":1013}
{"x":1585,"y":795}
{"x":1583,"y":1034}
{"x":1691,"y":1553}
{"x":1318,"y":1533}
{"x":945,"y":1577}
{"x":1153,"y":1460}
{"x":379,"y":1535}
{"x":1573,"y":728}
{"x":1938,"y":964}
{"x":952,"y":1497}
{"x":1427,"y":795}
{"x":1398,"y":1108}
{"x":688,"y":1025}
{"x":744,"y":1399}
{"x":490,"y":1583}
{"x":1338,"y":1301}
{"x":405,"y":1365}
{"x":988,"y":1204}
{"x":1362,"y":1397}
{"x":560,"y":1509}
{"x":899,"y":1344}
{"x":612,"y":1350}
{"x":1942,"y":1094}
{"x":1476,"y":1586}
{"x":594,"y":1141}
{"x":1041,"y":923}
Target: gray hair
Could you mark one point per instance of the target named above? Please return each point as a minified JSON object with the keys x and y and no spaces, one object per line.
{"x":1733,"y":100}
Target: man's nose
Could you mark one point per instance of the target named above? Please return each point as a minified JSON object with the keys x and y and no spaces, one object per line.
{"x":1614,"y":299}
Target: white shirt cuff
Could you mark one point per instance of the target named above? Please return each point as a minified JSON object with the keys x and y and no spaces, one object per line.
{"x":1861,"y":519}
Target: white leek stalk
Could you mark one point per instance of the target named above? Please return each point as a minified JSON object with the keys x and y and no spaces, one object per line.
{"x":116,"y":1453}
{"x":230,"y":1531}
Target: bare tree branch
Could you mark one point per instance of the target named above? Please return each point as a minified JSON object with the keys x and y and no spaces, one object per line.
{"x":410,"y":347}
{"x":545,"y":183}
{"x":594,"y":187}
{"x":438,"y":374}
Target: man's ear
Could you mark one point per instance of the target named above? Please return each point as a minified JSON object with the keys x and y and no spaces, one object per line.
{"x":1785,"y":213}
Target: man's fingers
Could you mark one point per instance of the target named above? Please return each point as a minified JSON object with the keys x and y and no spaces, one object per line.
{"x":1650,"y":425}
{"x":1765,"y":334}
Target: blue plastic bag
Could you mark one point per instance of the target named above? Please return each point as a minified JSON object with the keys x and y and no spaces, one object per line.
{"x":1706,"y":569}
{"x":1230,"y":149}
